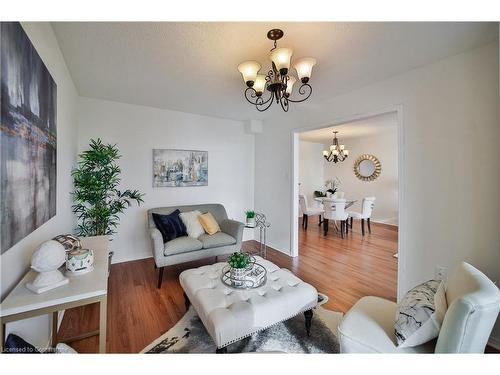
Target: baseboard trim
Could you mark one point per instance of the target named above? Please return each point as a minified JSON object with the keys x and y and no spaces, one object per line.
{"x":116,"y":260}
{"x":272,"y":247}
{"x":494,"y":342}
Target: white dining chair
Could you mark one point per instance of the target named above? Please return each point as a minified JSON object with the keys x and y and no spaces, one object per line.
{"x":365,"y":214}
{"x":335,"y":210}
{"x":308,"y":211}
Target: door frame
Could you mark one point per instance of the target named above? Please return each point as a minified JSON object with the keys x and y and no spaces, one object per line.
{"x":294,"y":217}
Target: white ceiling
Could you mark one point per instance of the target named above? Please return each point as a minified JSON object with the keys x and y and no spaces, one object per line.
{"x":360,"y":128}
{"x":191,"y":66}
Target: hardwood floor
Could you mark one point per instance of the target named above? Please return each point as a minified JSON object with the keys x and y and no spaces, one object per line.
{"x":138,"y":312}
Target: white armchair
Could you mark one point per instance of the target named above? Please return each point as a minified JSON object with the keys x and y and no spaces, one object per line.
{"x":473,"y":306}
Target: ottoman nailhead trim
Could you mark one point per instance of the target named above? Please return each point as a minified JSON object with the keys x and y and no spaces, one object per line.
{"x":263,"y":328}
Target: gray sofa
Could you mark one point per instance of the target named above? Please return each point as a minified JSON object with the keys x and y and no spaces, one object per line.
{"x":186,"y":249}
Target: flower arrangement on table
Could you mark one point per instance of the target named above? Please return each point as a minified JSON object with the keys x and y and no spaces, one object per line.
{"x":332,"y":185}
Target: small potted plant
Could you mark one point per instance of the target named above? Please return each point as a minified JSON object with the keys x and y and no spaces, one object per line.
{"x":239,"y":263}
{"x":250,"y":214}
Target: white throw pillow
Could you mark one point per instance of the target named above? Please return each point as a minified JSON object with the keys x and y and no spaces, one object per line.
{"x":193,"y":227}
{"x":420,"y":314}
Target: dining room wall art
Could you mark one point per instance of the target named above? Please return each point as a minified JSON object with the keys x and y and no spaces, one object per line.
{"x":178,"y":168}
{"x":28,"y":137}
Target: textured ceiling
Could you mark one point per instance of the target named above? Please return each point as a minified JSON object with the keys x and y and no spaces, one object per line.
{"x":191,"y":67}
{"x":361,"y":128}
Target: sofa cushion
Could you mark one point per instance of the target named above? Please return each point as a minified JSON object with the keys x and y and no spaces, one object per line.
{"x":193,"y":225}
{"x":182,"y":245}
{"x":170,"y":226}
{"x":216,"y":240}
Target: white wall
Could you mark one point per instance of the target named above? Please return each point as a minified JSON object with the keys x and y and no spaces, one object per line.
{"x":137,"y":130}
{"x":310,"y":169}
{"x":15,"y":261}
{"x":384,"y":146}
{"x":450,"y":209}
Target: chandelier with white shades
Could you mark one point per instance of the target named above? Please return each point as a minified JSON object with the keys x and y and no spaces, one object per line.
{"x":278,"y":80}
{"x":337,"y":152}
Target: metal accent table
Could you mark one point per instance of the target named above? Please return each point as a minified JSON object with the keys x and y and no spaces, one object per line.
{"x":261,"y":223}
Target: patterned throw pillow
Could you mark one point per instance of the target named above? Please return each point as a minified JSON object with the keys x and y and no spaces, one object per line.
{"x":193,"y":226}
{"x":420,"y":314}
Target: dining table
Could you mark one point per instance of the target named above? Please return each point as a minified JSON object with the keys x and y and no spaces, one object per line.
{"x":325,"y":200}
{"x":348,"y":203}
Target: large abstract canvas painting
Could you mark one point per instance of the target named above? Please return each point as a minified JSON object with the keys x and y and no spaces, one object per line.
{"x":28,"y":137}
{"x":180,"y":168}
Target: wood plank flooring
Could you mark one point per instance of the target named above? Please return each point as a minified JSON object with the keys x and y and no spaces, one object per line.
{"x":138,"y":312}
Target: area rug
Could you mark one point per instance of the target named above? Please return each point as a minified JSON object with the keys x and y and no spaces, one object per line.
{"x":190,"y":336}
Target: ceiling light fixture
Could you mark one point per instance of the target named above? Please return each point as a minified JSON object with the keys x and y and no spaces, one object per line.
{"x":277,"y":81}
{"x":337,"y":152}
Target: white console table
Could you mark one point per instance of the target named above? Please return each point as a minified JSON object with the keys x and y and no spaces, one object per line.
{"x":81,"y":290}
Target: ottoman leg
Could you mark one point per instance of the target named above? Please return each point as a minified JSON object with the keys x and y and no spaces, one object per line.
{"x":187,"y":302}
{"x":221,"y":350}
{"x":308,"y":314}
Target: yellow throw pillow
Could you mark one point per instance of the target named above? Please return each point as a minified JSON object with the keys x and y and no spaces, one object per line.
{"x":208,"y":223}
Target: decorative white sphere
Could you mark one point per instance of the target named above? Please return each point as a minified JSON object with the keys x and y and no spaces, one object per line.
{"x":49,"y":256}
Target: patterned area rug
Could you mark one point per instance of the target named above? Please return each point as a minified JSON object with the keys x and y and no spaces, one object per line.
{"x":190,"y":336}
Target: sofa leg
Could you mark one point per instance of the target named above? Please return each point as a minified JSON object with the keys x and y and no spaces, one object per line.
{"x":308,"y":315}
{"x":160,"y":277}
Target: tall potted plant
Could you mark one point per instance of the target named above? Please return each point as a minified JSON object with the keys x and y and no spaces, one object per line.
{"x":97,"y":200}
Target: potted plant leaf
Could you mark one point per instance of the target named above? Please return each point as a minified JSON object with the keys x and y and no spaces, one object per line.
{"x":98,"y":201}
{"x":250,"y":215}
{"x":239,"y":263}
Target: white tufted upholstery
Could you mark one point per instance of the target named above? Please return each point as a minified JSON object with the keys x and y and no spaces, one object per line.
{"x":230,"y":314}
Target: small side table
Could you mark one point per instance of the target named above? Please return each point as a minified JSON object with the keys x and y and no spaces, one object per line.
{"x":261,"y":223}
{"x":85,"y":289}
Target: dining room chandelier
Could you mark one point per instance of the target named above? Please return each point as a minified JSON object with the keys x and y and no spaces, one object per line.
{"x":278,"y":80}
{"x":336,"y":152}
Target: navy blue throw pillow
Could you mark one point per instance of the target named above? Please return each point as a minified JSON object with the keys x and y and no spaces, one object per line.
{"x":170,"y":226}
{"x":16,"y":345}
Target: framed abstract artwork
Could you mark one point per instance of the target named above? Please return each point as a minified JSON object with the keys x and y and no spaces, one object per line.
{"x":28,"y":137}
{"x":180,"y":168}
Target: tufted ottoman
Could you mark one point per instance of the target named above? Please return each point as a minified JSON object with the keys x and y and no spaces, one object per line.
{"x":230,"y":314}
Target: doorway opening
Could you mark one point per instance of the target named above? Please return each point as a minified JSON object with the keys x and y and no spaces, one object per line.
{"x":349,"y":184}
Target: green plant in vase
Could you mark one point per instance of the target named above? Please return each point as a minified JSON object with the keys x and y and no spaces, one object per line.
{"x":239,"y":263}
{"x":250,"y":215}
{"x":239,"y":260}
{"x":97,"y":200}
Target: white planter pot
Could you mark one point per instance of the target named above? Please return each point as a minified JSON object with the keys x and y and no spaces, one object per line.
{"x":238,"y":276}
{"x":251,"y":222}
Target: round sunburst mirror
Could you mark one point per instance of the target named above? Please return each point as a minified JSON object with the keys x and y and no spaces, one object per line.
{"x":367,"y":167}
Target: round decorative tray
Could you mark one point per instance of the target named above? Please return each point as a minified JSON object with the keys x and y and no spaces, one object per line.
{"x":252,"y":277}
